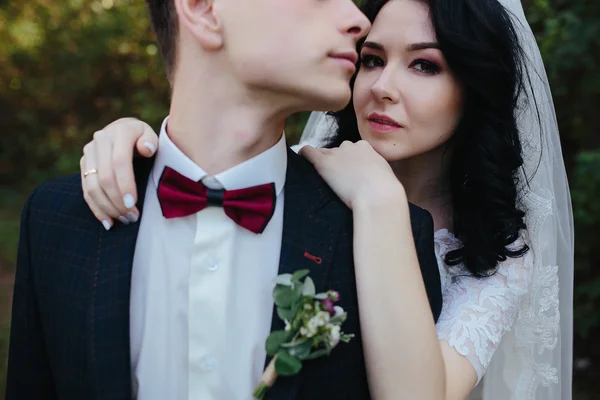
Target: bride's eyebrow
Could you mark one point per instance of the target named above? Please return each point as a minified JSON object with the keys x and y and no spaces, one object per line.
{"x":422,"y":46}
{"x":409,"y":48}
{"x":373,"y":45}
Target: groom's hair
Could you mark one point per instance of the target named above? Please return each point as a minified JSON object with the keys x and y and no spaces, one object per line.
{"x":163,"y":17}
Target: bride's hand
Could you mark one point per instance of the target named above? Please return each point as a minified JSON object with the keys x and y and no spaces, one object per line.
{"x":356,"y":173}
{"x":111,"y":191}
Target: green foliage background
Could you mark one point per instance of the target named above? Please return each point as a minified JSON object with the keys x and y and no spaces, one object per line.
{"x":69,"y":67}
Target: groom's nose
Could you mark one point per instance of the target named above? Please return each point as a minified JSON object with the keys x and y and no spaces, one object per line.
{"x":355,"y":22}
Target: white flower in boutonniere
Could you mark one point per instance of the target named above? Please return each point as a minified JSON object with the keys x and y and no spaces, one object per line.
{"x":312,"y":327}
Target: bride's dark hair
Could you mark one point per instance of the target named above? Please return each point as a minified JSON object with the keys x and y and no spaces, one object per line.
{"x":480,"y":45}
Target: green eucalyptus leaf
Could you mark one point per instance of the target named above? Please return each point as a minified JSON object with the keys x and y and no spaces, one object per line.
{"x":321,"y":296}
{"x":338,"y":319}
{"x":317,"y":354}
{"x":298,"y":289}
{"x":286,"y":364}
{"x":309,"y":287}
{"x":275,"y":340}
{"x":295,"y":343}
{"x":301,"y":273}
{"x":283,"y":279}
{"x":300,"y":349}
{"x":284,"y":296}
{"x":287,"y":313}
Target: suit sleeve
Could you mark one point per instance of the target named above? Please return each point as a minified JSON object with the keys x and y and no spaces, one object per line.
{"x":29,"y":375}
{"x":422,"y":223}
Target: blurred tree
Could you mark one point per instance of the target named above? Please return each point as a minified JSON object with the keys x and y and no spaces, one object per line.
{"x":67,"y":69}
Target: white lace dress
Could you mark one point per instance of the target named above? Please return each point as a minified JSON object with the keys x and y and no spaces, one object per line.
{"x":477,"y":312}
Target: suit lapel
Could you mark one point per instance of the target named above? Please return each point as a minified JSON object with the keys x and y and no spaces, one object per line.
{"x":308,"y":242}
{"x":109,"y":315}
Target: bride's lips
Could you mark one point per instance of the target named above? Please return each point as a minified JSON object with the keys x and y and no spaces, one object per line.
{"x":347,"y":59}
{"x":382,"y":123}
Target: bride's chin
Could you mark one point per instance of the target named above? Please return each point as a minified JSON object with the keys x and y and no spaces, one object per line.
{"x":389,"y":151}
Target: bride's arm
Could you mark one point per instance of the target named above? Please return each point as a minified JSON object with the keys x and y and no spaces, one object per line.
{"x":406,"y":359}
{"x":403,"y":356}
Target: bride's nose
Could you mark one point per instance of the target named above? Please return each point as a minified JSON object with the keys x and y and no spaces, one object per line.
{"x":385,"y":88}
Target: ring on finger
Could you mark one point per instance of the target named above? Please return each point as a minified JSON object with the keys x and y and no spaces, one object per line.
{"x":90,"y":172}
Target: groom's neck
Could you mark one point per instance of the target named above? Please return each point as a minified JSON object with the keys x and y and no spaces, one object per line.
{"x":219,"y":124}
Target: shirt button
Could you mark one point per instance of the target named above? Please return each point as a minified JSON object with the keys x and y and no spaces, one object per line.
{"x":212,"y":265}
{"x":208,"y":363}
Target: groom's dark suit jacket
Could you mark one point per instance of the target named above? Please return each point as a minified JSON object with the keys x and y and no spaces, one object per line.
{"x":70,"y":324}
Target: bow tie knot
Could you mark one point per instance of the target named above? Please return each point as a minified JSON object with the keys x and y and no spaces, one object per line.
{"x":251,"y":208}
{"x":215,"y":197}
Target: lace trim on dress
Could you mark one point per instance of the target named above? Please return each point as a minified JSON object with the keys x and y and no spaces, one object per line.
{"x":476,"y":313}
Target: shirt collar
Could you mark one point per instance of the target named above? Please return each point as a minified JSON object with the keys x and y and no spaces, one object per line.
{"x":266,"y":167}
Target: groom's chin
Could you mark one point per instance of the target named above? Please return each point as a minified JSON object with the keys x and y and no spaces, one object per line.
{"x":328,"y":99}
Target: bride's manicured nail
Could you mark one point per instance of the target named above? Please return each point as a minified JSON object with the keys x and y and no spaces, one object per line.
{"x":128,"y":200}
{"x":106,"y":224}
{"x":132,"y":217}
{"x":124,"y":220}
{"x":150,"y":146}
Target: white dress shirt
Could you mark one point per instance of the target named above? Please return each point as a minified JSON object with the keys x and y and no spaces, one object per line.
{"x":201,"y":292}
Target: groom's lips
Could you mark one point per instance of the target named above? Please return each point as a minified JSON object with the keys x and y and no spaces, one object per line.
{"x":348,"y":59}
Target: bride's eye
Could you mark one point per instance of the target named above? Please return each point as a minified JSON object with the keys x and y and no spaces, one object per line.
{"x":370,"y":61}
{"x":426,"y":67}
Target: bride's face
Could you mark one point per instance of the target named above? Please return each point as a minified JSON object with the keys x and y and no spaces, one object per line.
{"x":407,"y":102}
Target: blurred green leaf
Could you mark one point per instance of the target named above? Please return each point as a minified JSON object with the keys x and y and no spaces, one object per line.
{"x":286,"y":364}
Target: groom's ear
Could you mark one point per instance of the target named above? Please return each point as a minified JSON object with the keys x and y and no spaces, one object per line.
{"x":200,"y":17}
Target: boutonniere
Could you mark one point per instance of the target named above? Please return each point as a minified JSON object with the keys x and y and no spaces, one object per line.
{"x":312,"y":327}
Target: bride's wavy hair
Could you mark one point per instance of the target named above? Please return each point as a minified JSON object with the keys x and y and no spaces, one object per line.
{"x":481,"y":47}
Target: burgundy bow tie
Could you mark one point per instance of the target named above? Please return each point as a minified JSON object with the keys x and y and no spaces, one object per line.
{"x":251,"y":208}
